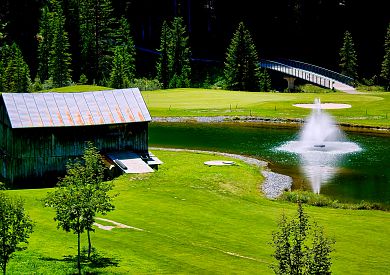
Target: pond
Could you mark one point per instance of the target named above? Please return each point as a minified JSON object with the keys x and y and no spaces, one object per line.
{"x":362,"y":175}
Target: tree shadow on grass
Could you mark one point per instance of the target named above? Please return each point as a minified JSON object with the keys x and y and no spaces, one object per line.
{"x":96,"y":260}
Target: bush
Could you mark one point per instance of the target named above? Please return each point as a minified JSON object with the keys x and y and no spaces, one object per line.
{"x":145,"y":84}
{"x":301,"y":247}
{"x":83,"y":79}
{"x":311,"y":198}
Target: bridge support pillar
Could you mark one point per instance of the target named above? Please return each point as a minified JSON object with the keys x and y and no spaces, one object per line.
{"x":290,"y":82}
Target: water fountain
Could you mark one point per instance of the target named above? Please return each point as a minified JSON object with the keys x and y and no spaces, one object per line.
{"x":320,"y":146}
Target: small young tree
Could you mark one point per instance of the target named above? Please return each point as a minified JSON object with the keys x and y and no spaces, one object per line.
{"x":292,"y":250}
{"x":69,"y":204}
{"x":96,"y":190}
{"x":15,"y":227}
{"x":242,"y":71}
{"x":80,"y":195}
{"x":385,"y":71}
{"x":348,"y":59}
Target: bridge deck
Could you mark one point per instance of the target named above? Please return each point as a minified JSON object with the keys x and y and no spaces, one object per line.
{"x":313,"y":74}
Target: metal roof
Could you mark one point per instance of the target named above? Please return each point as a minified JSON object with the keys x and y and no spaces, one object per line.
{"x":26,"y":110}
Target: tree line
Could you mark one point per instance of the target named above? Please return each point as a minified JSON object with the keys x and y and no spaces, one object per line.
{"x":88,"y":42}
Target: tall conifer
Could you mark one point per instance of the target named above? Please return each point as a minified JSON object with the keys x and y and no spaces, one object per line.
{"x":59,"y":58}
{"x":385,"y":72}
{"x":97,"y":35}
{"x":15,"y":73}
{"x":241,"y":66}
{"x":162,"y":64}
{"x":348,"y":58}
{"x":44,"y":38}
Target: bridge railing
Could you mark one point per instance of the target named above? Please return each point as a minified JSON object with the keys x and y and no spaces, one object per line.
{"x":319,"y":70}
{"x":298,"y":72}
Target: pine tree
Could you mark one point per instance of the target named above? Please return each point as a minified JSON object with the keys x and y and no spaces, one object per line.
{"x":265,"y":81}
{"x":162,"y":65}
{"x":59,"y":56}
{"x":120,"y":75}
{"x":44,"y":38}
{"x":179,"y":55}
{"x":97,"y":36}
{"x":15,"y":73}
{"x":385,"y":72}
{"x":124,"y":39}
{"x":241,"y":69}
{"x":348,"y":58}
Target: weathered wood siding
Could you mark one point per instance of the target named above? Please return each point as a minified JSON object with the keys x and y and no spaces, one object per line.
{"x":40,"y":154}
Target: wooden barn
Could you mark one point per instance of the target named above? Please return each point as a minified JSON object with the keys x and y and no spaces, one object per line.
{"x":41,"y":132}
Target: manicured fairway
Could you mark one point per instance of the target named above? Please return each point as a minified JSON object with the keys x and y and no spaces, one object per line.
{"x":371,"y":109}
{"x":196,"y":219}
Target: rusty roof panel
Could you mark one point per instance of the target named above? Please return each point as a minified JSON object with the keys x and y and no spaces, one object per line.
{"x":82,"y":117}
{"x":13,"y":113}
{"x":75,"y":109}
{"x":63,"y":110}
{"x":94,"y":114}
{"x":104,"y":109}
{"x":112,"y":106}
{"x":122,"y":108}
{"x":53,"y":111}
{"x":33,"y":110}
{"x":141,"y":103}
{"x":22,"y":110}
{"x":44,"y":112}
{"x":133,"y":104}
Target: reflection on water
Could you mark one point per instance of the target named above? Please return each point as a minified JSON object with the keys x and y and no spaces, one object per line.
{"x":320,"y":146}
{"x":319,"y":162}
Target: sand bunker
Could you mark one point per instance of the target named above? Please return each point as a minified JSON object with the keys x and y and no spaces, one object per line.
{"x":324,"y":106}
{"x":219,"y":162}
{"x":115,"y":225}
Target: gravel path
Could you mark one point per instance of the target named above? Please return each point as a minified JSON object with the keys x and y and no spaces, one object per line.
{"x":205,"y":119}
{"x":274,"y":184}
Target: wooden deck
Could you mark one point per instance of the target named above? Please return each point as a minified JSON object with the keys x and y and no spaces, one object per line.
{"x":130,"y":162}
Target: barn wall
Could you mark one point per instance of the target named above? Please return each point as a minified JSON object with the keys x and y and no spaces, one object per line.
{"x":5,"y":137}
{"x":42,"y":153}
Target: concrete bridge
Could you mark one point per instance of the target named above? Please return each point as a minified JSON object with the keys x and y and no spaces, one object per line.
{"x":320,"y":76}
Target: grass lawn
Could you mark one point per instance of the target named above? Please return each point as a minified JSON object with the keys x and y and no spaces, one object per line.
{"x":197,"y":219}
{"x":370,"y":109}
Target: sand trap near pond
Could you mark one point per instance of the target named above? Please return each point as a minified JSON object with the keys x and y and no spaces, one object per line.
{"x":219,"y":162}
{"x":324,"y":105}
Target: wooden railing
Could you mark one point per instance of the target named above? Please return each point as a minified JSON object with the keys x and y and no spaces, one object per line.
{"x":309,"y":72}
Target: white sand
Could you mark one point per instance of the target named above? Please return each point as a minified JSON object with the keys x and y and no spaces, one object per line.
{"x":324,"y":106}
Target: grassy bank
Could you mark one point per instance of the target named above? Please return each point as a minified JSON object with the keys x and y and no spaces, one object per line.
{"x":197,"y":219}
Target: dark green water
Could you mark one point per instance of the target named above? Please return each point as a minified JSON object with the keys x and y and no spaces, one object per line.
{"x":363,"y":175}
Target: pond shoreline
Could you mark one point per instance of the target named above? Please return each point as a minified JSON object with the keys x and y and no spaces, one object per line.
{"x":274,"y":184}
{"x":279,"y":122}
